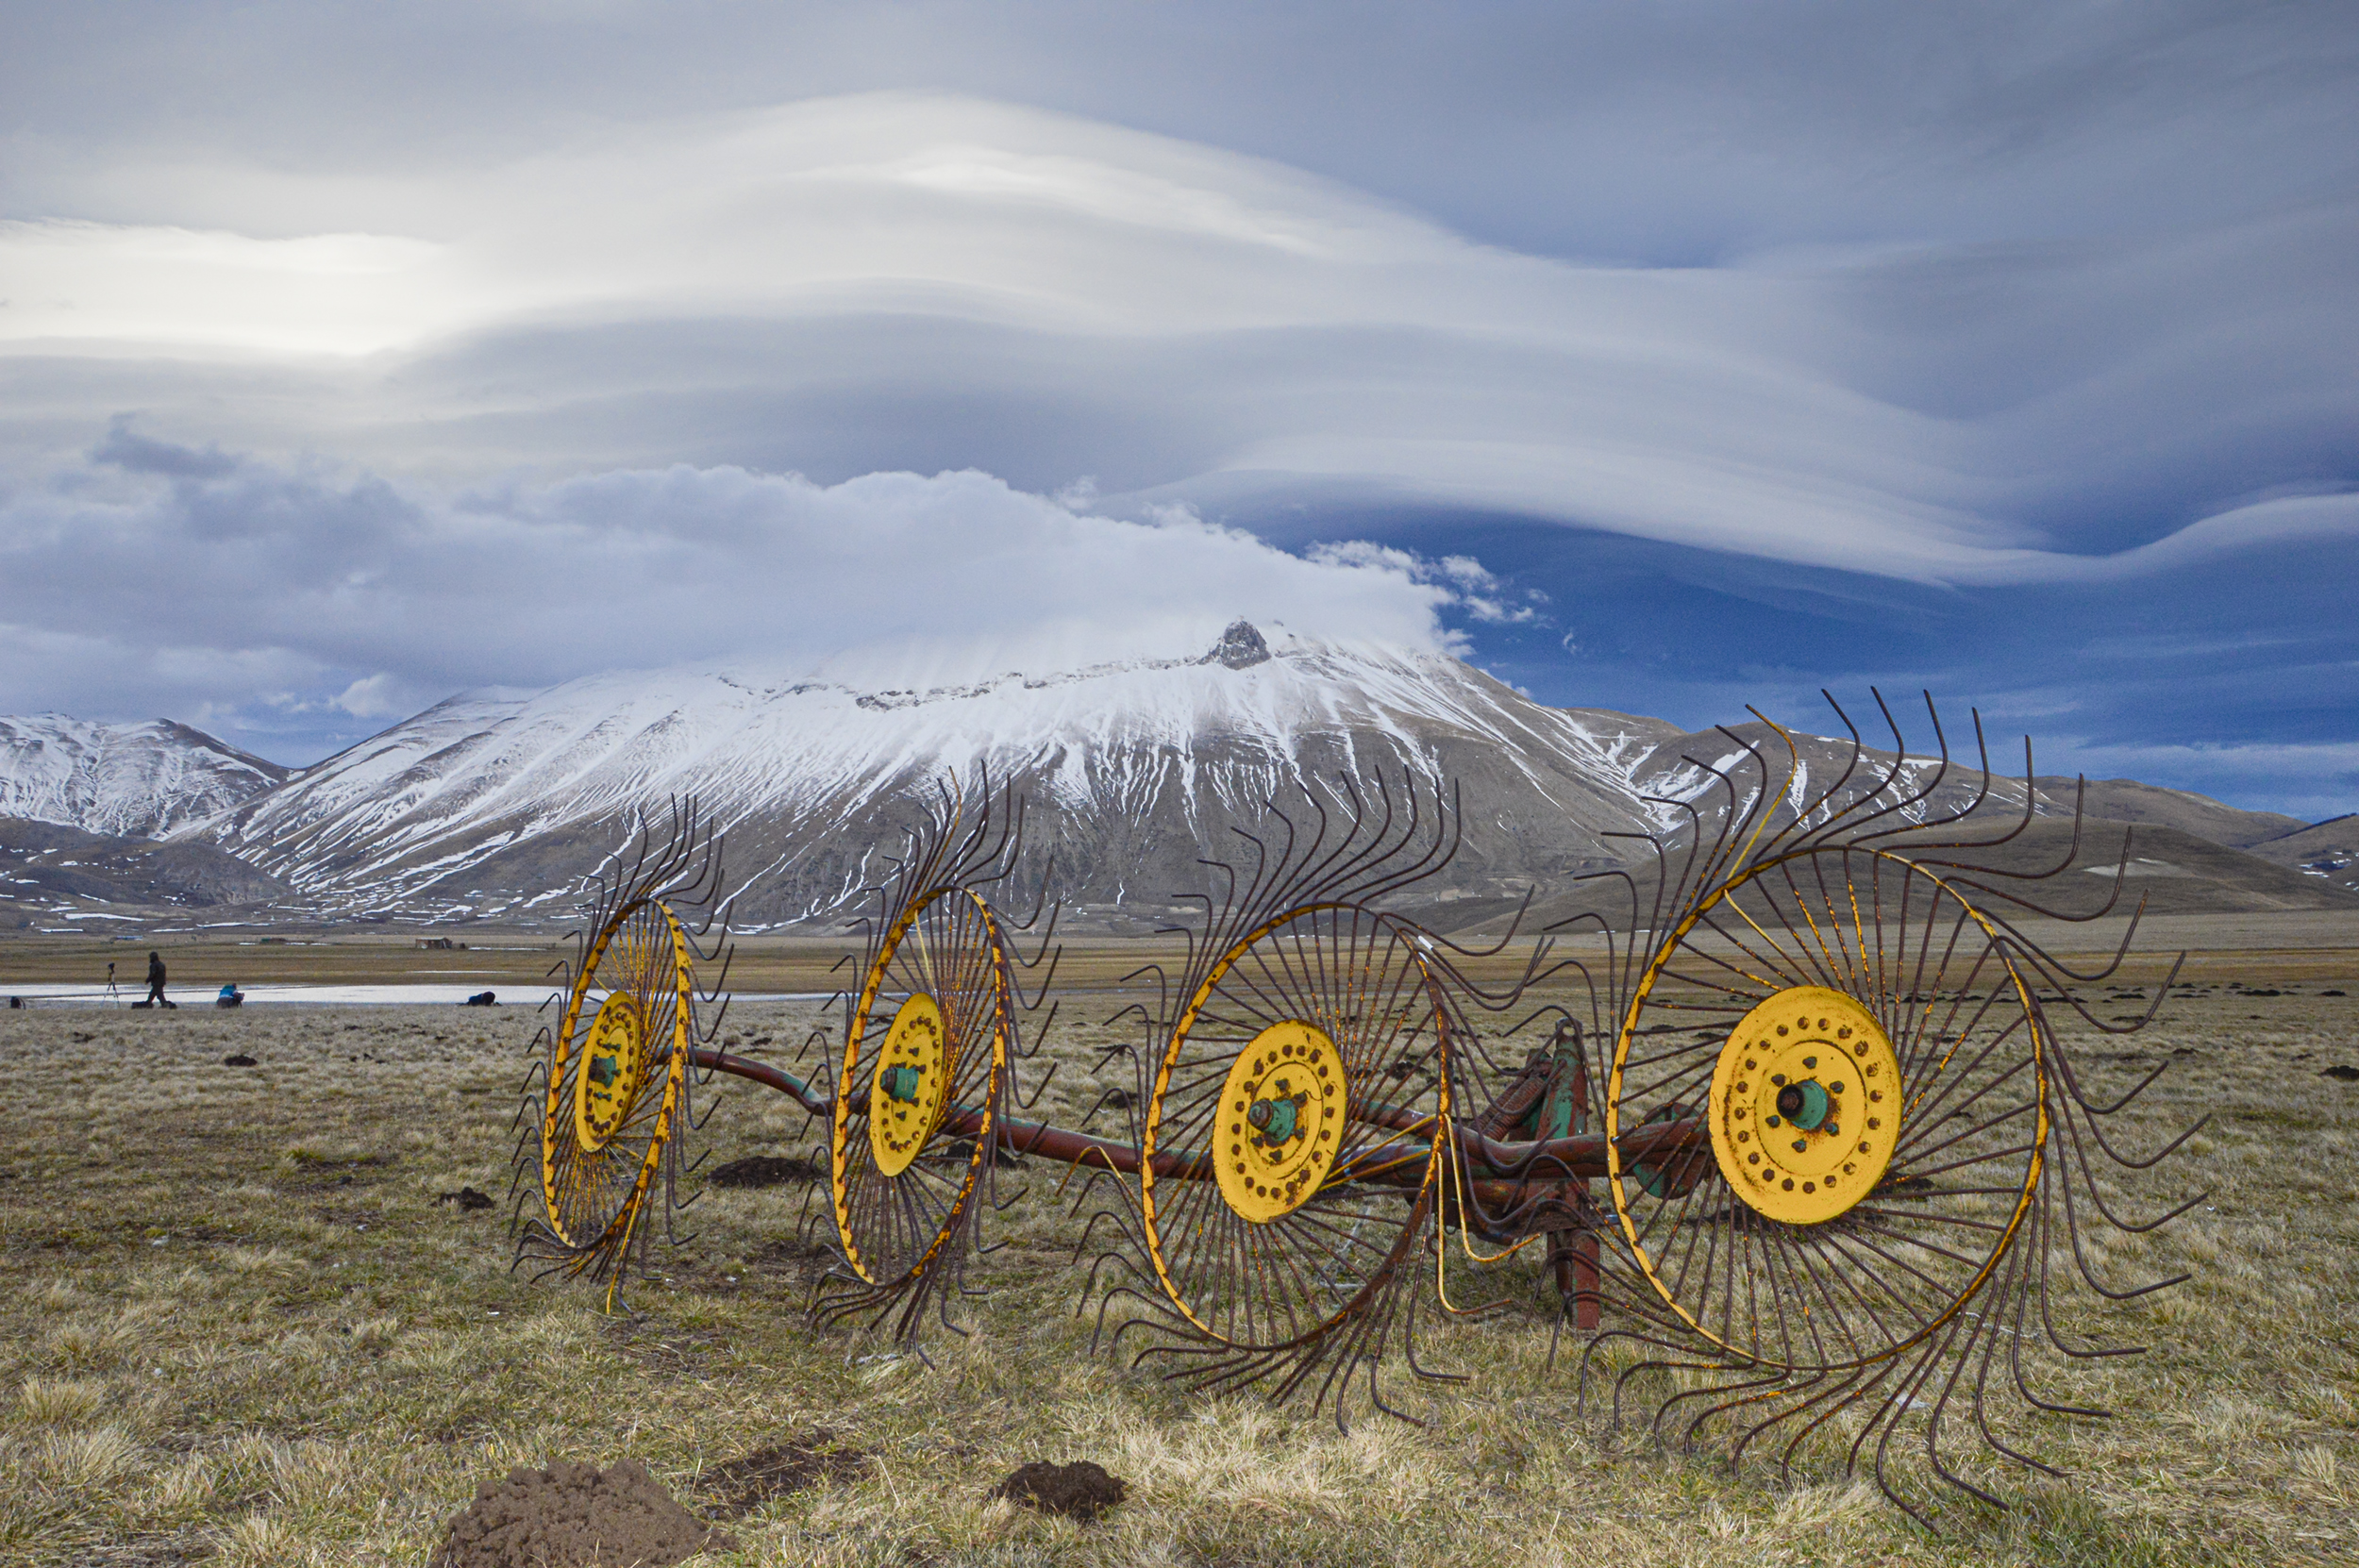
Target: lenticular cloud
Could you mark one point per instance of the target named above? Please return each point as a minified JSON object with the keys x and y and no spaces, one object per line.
{"x":877,"y":282}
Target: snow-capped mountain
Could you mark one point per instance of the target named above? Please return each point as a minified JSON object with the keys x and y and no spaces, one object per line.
{"x":140,"y":780}
{"x":499,"y":803}
{"x":493,"y":804}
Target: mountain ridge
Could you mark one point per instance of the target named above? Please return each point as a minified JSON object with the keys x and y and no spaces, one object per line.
{"x":122,"y":780}
{"x":496,"y":804}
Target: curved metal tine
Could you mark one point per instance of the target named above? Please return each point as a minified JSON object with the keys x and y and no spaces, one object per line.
{"x":1956,"y":1364}
{"x":1040,"y":1032}
{"x":1377,"y":858}
{"x":2022,"y":1298}
{"x":1757,"y":815}
{"x":1041,"y":903}
{"x":2030,"y":794}
{"x":1686,"y":1440}
{"x":998,"y":862}
{"x":1511,"y":993}
{"x":1955,"y":815}
{"x":1886,"y":1421}
{"x":2072,"y":1081}
{"x":2096,"y":1195}
{"x":1725,"y":852}
{"x":2072,"y":850}
{"x":1380,"y":847}
{"x":1322,"y":866}
{"x":2048,"y":966}
{"x":1102,"y":1101}
{"x":1894,"y":779}
{"x":1662,"y":866}
{"x":1449,"y":829}
{"x":1046,"y":1080}
{"x":1500,"y":947}
{"x":1046,"y":980}
{"x":2080,"y":1258}
{"x":1317,"y":859}
{"x":1794,"y":1392}
{"x":1835,"y":816}
{"x":2030,"y":800}
{"x":1409,"y":1349}
{"x":1245,"y":909}
{"x":1268,"y":870}
{"x":1857,"y":1389}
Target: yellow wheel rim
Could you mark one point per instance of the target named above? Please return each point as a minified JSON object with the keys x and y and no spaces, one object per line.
{"x":1282,"y":1120}
{"x":1804,"y":1105}
{"x":1948,"y":1005}
{"x":603,"y":1141}
{"x":912,"y":1084}
{"x":613,"y":1061}
{"x":953,"y":1031}
{"x":1245,"y":1269}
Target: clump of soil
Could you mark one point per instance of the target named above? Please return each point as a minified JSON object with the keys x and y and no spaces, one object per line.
{"x":2341,"y":1072}
{"x":1078,"y":1491}
{"x":576,"y":1516}
{"x":744,"y":1485}
{"x":466,"y":1198}
{"x":239,"y":1059}
{"x":764,"y":1170}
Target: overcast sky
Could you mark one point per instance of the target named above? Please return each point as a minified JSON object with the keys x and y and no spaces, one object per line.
{"x":1664,"y":358}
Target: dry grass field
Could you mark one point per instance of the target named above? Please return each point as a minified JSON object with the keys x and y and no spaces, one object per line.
{"x":237,"y":1325}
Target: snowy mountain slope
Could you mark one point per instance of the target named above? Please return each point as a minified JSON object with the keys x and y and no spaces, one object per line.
{"x":140,"y":780}
{"x":499,"y":803}
{"x":489,"y":803}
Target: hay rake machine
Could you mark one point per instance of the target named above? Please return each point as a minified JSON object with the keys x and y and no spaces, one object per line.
{"x":1789,"y":1133}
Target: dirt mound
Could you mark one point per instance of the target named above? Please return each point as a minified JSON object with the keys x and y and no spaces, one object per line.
{"x":1079,"y":1490}
{"x":239,"y":1058}
{"x":575,"y":1516}
{"x":764,"y":1170}
{"x":2342,"y":1072}
{"x":466,"y":1197}
{"x":744,"y":1485}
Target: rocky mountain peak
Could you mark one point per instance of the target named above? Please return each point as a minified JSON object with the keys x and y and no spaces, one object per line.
{"x":1240,"y":647}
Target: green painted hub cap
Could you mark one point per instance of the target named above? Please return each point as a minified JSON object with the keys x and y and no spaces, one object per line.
{"x":1275,"y":1119}
{"x":901,"y":1083}
{"x":1803,"y":1104}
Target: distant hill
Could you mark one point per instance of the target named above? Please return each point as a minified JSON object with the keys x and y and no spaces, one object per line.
{"x":56,"y":876}
{"x":137,"y":780}
{"x":2328,"y":852}
{"x":2127,"y":800}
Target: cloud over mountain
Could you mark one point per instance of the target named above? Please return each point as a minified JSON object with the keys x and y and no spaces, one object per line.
{"x":157,"y":564}
{"x":1743,"y":348}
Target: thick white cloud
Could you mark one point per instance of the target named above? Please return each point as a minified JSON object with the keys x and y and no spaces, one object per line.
{"x":159,"y":575}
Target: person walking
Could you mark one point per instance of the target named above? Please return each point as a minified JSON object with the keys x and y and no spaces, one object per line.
{"x":156,"y":981}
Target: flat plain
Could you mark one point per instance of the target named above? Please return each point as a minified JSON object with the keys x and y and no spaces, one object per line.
{"x":239,"y":1323}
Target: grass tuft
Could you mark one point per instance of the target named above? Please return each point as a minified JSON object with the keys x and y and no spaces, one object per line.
{"x":59,"y":1401}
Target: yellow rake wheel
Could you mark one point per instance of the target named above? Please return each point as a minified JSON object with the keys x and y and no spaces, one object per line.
{"x":617,"y":1080}
{"x":916,"y":1099}
{"x":1872,"y":1068}
{"x":1302,"y":1110}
